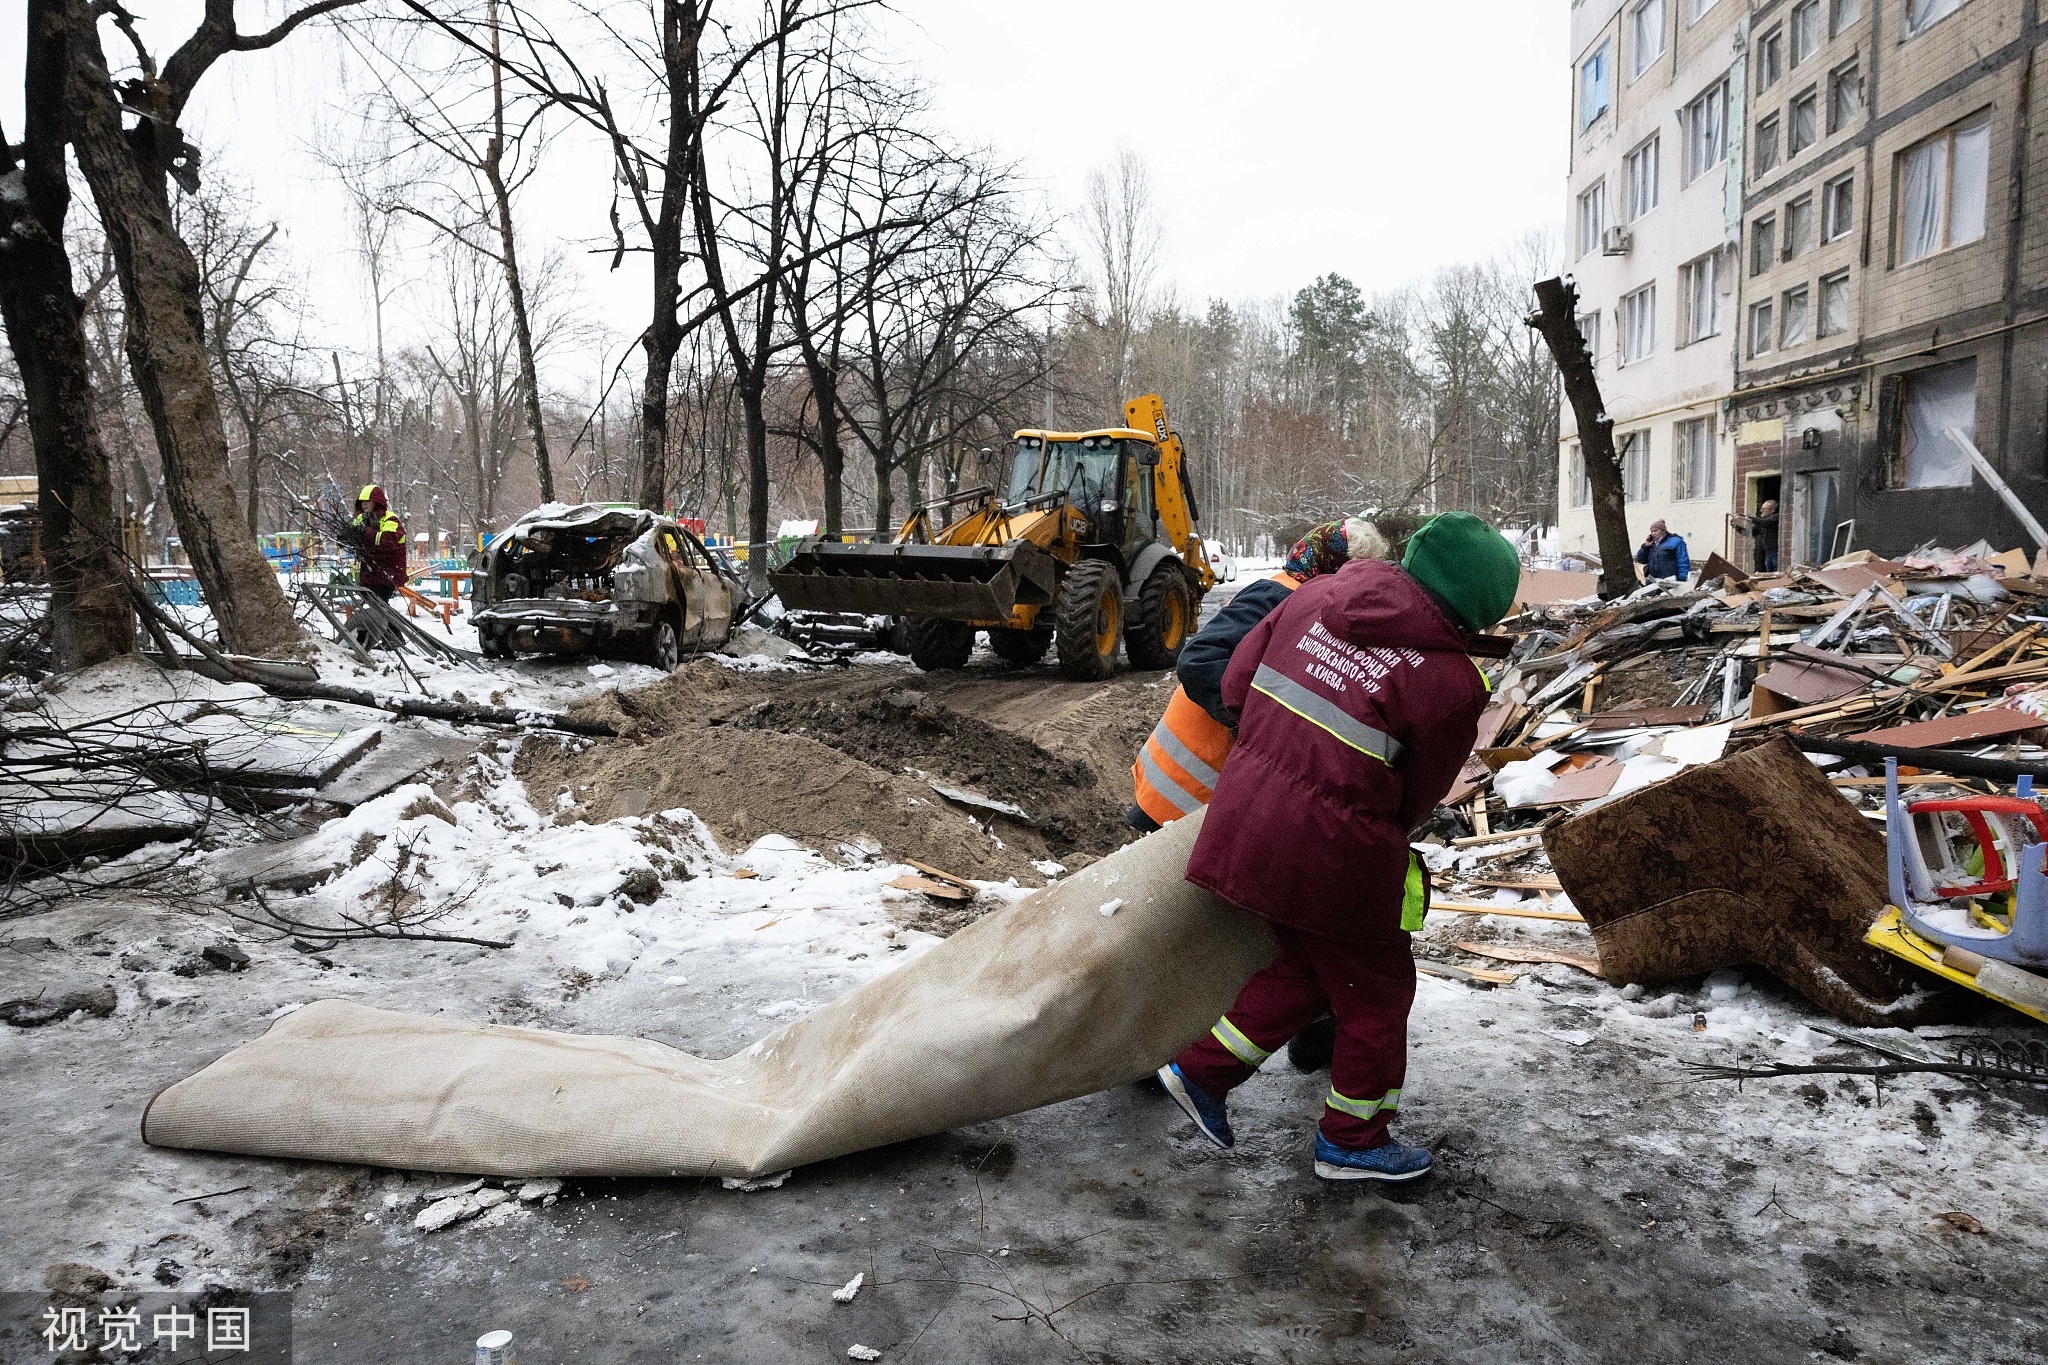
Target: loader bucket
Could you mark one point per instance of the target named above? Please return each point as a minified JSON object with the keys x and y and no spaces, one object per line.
{"x":949,"y":582}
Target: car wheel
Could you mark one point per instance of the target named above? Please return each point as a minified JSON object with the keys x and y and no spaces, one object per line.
{"x":664,"y":650}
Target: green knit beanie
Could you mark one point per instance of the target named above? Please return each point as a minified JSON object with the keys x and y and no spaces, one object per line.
{"x":1468,"y":564}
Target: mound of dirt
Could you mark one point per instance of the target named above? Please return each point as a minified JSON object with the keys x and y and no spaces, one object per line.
{"x":897,"y":728}
{"x":746,"y":782}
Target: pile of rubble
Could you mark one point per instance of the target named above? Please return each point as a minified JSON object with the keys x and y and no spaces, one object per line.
{"x":1937,"y":661}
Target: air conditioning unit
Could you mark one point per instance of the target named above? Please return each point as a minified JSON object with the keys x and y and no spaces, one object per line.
{"x":1616,"y":241}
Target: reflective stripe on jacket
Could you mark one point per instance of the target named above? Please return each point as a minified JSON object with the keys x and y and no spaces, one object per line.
{"x":1178,"y":765}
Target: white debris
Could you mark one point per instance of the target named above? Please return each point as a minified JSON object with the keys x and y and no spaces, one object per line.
{"x":766,"y":1182}
{"x":846,"y":1292}
{"x":534,"y":1190}
{"x":1046,"y":867}
{"x":1724,"y":983}
{"x":1577,"y":1037}
{"x":1109,"y":908}
{"x":436,"y":1216}
{"x":602,"y":670}
{"x":490,"y":1199}
{"x":451,"y":1191}
{"x":860,"y":1352}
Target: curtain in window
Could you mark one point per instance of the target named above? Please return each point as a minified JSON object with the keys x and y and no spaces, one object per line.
{"x":1649,"y":36}
{"x":1973,"y":165}
{"x":1795,"y":317}
{"x":1921,"y":13}
{"x":1926,"y":188}
{"x":1803,"y":129}
{"x":1834,"y":306}
{"x":1936,"y":400}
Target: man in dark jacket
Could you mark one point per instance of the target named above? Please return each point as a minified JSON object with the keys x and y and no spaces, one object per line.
{"x":1357,"y":706}
{"x":382,"y":547}
{"x":1662,"y":554}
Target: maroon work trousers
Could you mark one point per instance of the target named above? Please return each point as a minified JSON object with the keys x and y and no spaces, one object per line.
{"x":1368,"y":985}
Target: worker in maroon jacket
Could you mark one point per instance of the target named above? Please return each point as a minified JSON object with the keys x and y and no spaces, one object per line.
{"x":382,"y":550}
{"x":1357,"y":706}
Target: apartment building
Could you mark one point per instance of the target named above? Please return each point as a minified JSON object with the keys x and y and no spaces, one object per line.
{"x":1654,"y":222}
{"x":1893,"y":273}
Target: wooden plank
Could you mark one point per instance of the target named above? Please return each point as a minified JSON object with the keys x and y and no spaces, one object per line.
{"x":1503,"y":952}
{"x":1522,"y":883}
{"x":1992,"y":722}
{"x":969,"y":887}
{"x":939,"y":890}
{"x":1499,"y":836}
{"x":1511,"y":911}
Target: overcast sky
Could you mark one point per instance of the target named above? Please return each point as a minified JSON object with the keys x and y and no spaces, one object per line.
{"x":1285,"y":139}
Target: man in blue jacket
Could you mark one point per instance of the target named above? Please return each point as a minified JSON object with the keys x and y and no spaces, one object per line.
{"x":1663,"y":555}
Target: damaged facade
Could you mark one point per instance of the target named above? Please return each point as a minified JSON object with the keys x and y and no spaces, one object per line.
{"x":1886,"y":276}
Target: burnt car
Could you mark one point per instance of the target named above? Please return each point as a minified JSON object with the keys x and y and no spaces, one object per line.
{"x":603,"y":579}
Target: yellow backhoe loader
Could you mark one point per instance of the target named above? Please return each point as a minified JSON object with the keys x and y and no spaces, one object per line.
{"x":1092,"y":543}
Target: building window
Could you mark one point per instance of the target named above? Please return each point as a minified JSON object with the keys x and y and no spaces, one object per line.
{"x":1834,"y":304}
{"x":1706,"y":131}
{"x":1700,"y":7}
{"x":1589,"y":329}
{"x":1846,"y":12}
{"x":1845,"y":96}
{"x":1922,"y":15}
{"x":1643,"y":165}
{"x":1692,"y":459}
{"x":1935,"y":400}
{"x":1646,"y":36}
{"x":1581,"y":486}
{"x":1592,"y":216}
{"x":1634,"y":450}
{"x":1805,"y":31}
{"x":1760,"y":326}
{"x":1766,"y":144}
{"x":1792,"y":324}
{"x":1594,"y":80}
{"x":1770,"y":59}
{"x":1943,"y":201}
{"x":1638,"y":323}
{"x":1804,"y":129}
{"x":1798,"y":225}
{"x":1763,"y":244}
{"x":1700,"y":296}
{"x":1837,"y":207}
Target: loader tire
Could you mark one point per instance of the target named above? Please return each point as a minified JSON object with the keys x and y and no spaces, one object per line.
{"x":1020,"y":646}
{"x":937,"y":646}
{"x":1162,"y":619}
{"x":1088,"y":621}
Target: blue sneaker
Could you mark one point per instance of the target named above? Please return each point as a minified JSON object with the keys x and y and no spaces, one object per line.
{"x":1198,"y":1104}
{"x":1392,"y":1160}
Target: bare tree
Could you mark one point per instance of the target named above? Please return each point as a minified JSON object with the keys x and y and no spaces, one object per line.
{"x":160,"y":285}
{"x":91,"y":618}
{"x":1124,"y":237}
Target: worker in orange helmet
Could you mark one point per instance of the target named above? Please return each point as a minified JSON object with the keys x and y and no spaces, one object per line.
{"x":381,"y":548}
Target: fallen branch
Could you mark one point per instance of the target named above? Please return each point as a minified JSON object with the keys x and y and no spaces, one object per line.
{"x":1941,"y":760}
{"x":1705,"y":1071}
{"x":350,"y":928}
{"x":433,"y":708}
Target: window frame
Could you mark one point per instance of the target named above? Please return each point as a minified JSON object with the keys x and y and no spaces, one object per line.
{"x":1834,"y":225}
{"x":1808,"y":99}
{"x":1698,"y":9}
{"x":1634,"y":449}
{"x":1580,"y":486}
{"x":1833,"y":280}
{"x":1639,"y":62}
{"x":1714,"y":99}
{"x":1693,"y":472}
{"x":1601,"y":56}
{"x":1841,"y":14}
{"x":1796,"y":205}
{"x":1907,"y":32}
{"x":1980,"y":119}
{"x":1595,"y":197}
{"x":1708,"y":268}
{"x":1836,"y":120}
{"x":1763,"y":243}
{"x":1647,"y":293}
{"x":1770,"y":72}
{"x":1768,"y":130}
{"x":1763,"y":311}
{"x":1820,"y":39}
{"x":1901,"y":473}
{"x":1653,"y":147}
{"x":1805,"y":294}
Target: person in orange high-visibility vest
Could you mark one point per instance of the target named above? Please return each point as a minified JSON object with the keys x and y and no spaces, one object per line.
{"x":1176,"y":770}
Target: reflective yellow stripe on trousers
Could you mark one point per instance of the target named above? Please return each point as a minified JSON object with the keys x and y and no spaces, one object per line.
{"x":1241,"y":1047}
{"x":1364,"y":1109}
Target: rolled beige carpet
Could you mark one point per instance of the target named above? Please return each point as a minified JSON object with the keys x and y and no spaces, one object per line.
{"x":1035,"y":1004}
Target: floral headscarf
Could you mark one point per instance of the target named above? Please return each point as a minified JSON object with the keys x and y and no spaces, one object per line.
{"x":1325,"y":549}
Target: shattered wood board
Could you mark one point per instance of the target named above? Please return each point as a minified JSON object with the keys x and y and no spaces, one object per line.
{"x":1542,"y":586}
{"x":1504,"y":952}
{"x":1586,"y":783}
{"x":1808,"y":682}
{"x":1993,"y":722}
{"x":1630,"y":718}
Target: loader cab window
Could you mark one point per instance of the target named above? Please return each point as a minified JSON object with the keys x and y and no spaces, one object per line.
{"x":1138,"y":501}
{"x":1085,"y":471}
